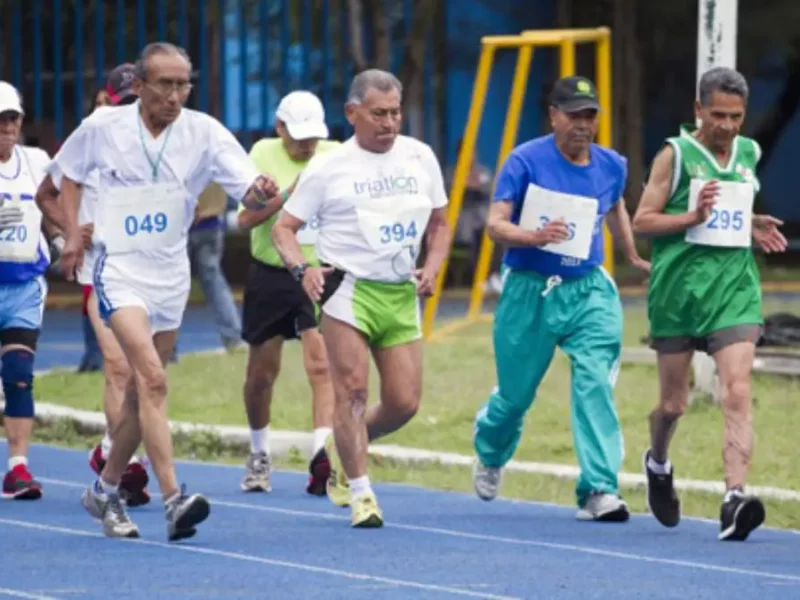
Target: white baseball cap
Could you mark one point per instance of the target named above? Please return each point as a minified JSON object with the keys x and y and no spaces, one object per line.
{"x":9,"y":98}
{"x":304,"y":116}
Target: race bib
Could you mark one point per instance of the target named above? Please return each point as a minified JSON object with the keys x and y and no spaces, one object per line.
{"x":20,"y":243}
{"x":387,"y":226}
{"x":730,"y":223}
{"x":579,"y":213}
{"x":308,"y":233}
{"x":142,"y":218}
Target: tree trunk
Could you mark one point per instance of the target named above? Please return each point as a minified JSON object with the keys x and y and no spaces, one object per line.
{"x":381,"y":33}
{"x":413,"y":69}
{"x":632,"y":86}
{"x":355,"y":10}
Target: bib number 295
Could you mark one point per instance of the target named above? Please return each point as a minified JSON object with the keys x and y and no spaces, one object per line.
{"x":397,"y":232}
{"x":725,"y":219}
{"x":135,"y":225}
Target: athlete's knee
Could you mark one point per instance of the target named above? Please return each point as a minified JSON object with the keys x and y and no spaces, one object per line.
{"x":317,"y":368}
{"x":117,"y":373}
{"x":17,"y":375}
{"x":736,"y":395}
{"x":355,"y":402}
{"x":152,"y":385}
{"x":670,"y":408}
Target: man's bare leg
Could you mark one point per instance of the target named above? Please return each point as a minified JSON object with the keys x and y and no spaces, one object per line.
{"x":400,"y":369}
{"x":263,"y":366}
{"x":315,"y":360}
{"x":673,"y":377}
{"x":348,"y":354}
{"x":740,"y":514}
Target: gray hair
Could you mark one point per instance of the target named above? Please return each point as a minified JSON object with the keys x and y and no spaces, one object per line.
{"x":154,"y":48}
{"x":722,"y":79}
{"x":372,"y":79}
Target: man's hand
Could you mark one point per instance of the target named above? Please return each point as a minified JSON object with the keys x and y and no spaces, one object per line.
{"x":262,"y":190}
{"x":766,"y":234}
{"x":706,"y":200}
{"x":10,"y":214}
{"x":640,"y":263}
{"x":86,"y":235}
{"x":426,"y":282}
{"x":314,"y":281}
{"x":72,"y":256}
{"x":554,"y":232}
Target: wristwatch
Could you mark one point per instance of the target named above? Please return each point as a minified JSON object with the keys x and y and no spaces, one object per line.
{"x":299,"y":270}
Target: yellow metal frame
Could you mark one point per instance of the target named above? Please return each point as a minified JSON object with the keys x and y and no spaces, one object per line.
{"x":565,"y":40}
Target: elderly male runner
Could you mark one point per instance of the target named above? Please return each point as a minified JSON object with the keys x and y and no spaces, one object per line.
{"x":154,"y":158}
{"x":705,"y":292}
{"x":551,"y":198}
{"x":276,"y":308}
{"x":116,"y":371}
{"x":24,"y":259}
{"x":376,"y":198}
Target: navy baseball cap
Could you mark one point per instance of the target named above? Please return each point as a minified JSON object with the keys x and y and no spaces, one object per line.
{"x":119,"y":84}
{"x":573,"y":94}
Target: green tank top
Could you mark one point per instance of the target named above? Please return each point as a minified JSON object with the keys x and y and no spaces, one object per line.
{"x":270,"y":156}
{"x":697,"y":289}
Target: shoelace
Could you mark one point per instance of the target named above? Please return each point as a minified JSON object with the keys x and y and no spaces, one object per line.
{"x":116,"y":509}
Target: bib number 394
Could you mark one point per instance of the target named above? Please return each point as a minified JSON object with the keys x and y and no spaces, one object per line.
{"x":393,"y":230}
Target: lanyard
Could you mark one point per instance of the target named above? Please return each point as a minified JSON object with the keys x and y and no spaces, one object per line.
{"x":153,"y":165}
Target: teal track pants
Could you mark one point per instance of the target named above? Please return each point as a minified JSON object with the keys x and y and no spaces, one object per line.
{"x":584,"y":318}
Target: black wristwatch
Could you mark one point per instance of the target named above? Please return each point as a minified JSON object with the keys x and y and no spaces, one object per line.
{"x":298,"y":271}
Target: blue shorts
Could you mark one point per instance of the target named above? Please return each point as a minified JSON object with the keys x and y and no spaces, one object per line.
{"x":22,"y":304}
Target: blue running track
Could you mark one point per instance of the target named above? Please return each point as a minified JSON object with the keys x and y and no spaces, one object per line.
{"x":435,"y":545}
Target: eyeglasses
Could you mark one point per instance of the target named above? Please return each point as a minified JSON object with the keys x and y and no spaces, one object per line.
{"x":165,"y":88}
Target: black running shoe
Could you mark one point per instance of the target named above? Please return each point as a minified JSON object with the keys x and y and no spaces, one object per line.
{"x":739,"y":516}
{"x":662,"y":500}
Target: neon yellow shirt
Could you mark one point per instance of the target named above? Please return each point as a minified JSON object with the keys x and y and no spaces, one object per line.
{"x":269,"y":156}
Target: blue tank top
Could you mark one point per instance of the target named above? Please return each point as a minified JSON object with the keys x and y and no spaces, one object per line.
{"x":541,"y":163}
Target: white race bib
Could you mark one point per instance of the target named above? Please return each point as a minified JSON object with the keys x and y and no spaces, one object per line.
{"x":20,"y":243}
{"x":308,"y":233}
{"x":730,"y":223}
{"x":394,"y":224}
{"x":142,"y":218}
{"x":579,"y":213}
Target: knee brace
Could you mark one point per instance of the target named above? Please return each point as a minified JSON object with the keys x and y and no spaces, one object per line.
{"x":17,"y":375}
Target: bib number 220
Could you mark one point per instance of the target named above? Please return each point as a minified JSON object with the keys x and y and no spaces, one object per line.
{"x":398,"y":232}
{"x":725,"y":219}
{"x":147,"y":224}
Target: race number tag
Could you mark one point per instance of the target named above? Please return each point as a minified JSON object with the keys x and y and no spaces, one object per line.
{"x":730,"y":223}
{"x":20,"y":243}
{"x":387,"y":226}
{"x":142,"y":218}
{"x":308,"y":233}
{"x":579,"y":213}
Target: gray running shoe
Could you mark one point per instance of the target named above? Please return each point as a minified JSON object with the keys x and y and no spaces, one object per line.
{"x":258,"y":468}
{"x":183,"y":513}
{"x":108,"y":509}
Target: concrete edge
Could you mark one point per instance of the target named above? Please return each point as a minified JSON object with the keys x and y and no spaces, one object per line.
{"x":282,"y":443}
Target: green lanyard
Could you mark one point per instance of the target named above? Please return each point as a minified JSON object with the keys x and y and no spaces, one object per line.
{"x":153,"y":165}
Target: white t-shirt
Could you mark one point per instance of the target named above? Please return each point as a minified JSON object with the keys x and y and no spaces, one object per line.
{"x":88,"y":206}
{"x":372,"y":208}
{"x":148,"y":188}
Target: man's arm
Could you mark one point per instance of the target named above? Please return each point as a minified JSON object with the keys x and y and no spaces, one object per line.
{"x":437,"y":239}
{"x":650,"y":219}
{"x":619,"y":223}
{"x":284,"y":236}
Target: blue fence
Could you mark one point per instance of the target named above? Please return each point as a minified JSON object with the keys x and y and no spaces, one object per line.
{"x":246,"y":53}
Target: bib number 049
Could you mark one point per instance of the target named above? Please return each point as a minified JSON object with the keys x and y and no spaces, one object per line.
{"x":148,"y":224}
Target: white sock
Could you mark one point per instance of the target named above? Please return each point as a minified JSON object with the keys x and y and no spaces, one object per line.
{"x":16,"y":461}
{"x":106,"y":488}
{"x":359,"y":486}
{"x":259,"y":440}
{"x":320,"y":435}
{"x":659,"y":468}
{"x":105,"y":446}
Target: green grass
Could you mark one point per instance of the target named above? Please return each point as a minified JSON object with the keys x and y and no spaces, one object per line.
{"x":519,"y":486}
{"x":459,"y":375}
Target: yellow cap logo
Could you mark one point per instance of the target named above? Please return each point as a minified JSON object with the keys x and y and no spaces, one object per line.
{"x":584,"y":88}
